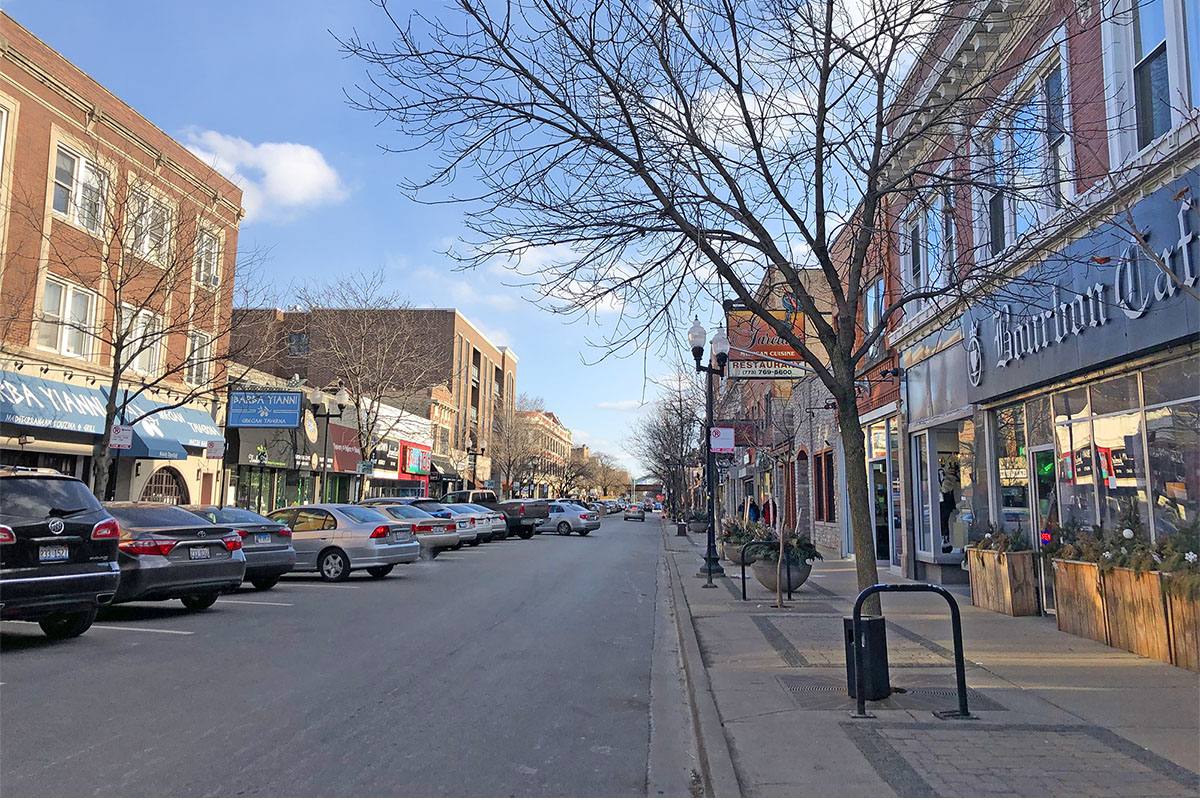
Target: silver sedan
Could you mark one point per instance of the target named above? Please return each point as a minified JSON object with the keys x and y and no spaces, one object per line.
{"x":499,"y":525}
{"x":333,"y":539}
{"x":566,"y":518}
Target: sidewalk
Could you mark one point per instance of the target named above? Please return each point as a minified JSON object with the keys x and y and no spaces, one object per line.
{"x":1058,"y":714}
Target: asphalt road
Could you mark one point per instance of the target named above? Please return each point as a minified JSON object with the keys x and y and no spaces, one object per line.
{"x":513,"y":668}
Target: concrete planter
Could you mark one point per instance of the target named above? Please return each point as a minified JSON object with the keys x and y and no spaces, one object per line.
{"x":733,"y":554}
{"x":764,"y":571}
{"x":697,"y":527}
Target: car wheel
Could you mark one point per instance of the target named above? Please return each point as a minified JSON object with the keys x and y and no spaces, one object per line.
{"x":380,"y":572}
{"x":584,"y":532}
{"x":262,"y":584}
{"x":564,"y":529}
{"x":198,"y":602}
{"x":67,"y":626}
{"x":334,"y":565}
{"x":475,"y":542}
{"x":526,"y":533}
{"x":457,"y":546}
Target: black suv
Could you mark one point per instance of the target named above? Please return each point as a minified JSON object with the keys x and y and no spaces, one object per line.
{"x":58,"y":551}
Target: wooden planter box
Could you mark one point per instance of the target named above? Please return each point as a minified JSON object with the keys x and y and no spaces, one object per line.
{"x":1003,"y":582}
{"x":1129,"y":611}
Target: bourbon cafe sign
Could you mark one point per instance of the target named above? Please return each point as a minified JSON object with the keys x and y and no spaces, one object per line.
{"x":1102,"y":298}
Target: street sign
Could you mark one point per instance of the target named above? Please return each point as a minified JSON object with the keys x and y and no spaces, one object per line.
{"x":765,"y":370}
{"x":720,"y":440}
{"x":215,"y":449}
{"x":121,"y":437}
{"x":365,"y":468}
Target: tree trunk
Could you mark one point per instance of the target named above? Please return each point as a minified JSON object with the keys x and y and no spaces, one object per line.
{"x":101,"y":454}
{"x":859,"y":497}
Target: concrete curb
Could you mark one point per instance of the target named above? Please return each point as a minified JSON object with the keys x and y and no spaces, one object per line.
{"x":716,"y":760}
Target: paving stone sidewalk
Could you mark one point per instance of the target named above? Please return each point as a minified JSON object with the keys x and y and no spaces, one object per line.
{"x":1057,"y":715}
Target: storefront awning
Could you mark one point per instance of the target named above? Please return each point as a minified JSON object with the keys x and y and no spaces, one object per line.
{"x":147,"y":446}
{"x":444,"y":468}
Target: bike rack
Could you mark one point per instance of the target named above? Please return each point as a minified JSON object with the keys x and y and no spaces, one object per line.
{"x":960,"y":672}
{"x":787,"y":564}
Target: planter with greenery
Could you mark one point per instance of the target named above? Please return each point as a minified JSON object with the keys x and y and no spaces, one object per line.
{"x":698,"y":521}
{"x":735,"y":534}
{"x":1119,"y":588}
{"x":773,"y":572}
{"x":1002,"y":576}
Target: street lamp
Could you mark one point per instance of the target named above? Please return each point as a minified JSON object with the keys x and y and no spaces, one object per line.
{"x":474,"y":452}
{"x":720,"y":349}
{"x":315,"y":398}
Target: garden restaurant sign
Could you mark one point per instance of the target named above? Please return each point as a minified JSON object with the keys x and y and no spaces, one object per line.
{"x":1098,"y":300}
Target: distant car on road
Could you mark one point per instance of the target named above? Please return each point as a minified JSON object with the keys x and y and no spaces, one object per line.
{"x":334,"y":539}
{"x":634,"y":512}
{"x":58,"y":552}
{"x":267,"y":544}
{"x":658,"y":506}
{"x":168,"y":553}
{"x":566,"y":518}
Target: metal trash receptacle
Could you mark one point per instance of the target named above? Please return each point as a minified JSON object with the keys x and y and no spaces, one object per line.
{"x":681,"y":529}
{"x":876,"y":681}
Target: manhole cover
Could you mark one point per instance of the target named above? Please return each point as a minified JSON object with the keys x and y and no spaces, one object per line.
{"x":825,"y":694}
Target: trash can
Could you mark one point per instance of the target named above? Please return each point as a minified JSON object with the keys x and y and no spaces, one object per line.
{"x":681,"y":529}
{"x":876,"y":682}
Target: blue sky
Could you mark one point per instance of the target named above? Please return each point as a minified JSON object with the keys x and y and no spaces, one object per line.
{"x":258,"y":86}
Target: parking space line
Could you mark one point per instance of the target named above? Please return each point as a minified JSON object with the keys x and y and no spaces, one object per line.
{"x":106,"y":627}
{"x":255,"y":603}
{"x":317,"y":585}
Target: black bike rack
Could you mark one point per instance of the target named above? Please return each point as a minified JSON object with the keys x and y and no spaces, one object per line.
{"x":787,"y":564}
{"x":960,"y":672}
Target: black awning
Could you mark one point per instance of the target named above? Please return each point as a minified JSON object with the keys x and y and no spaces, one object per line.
{"x":443,"y":468}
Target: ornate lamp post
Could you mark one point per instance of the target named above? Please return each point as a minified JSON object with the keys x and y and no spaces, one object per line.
{"x":315,"y":398}
{"x":474,"y":452}
{"x":720,"y":349}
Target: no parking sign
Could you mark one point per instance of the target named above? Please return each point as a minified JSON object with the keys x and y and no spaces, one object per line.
{"x":721,"y":440}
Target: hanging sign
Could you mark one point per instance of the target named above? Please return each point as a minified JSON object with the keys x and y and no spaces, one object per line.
{"x":751,"y":337}
{"x":768,"y":370}
{"x":720,"y":440}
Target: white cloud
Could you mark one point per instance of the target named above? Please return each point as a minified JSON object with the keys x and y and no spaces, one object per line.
{"x":278,"y":179}
{"x":620,"y":405}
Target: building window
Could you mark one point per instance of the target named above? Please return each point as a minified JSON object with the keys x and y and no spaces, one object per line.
{"x":143,"y":341}
{"x":165,"y":486}
{"x":1055,"y":128}
{"x":66,"y":323}
{"x":298,"y":344}
{"x":873,"y":314}
{"x":79,"y":188}
{"x":150,"y":227}
{"x":207,"y":261}
{"x":825,"y":487}
{"x":199,"y":359}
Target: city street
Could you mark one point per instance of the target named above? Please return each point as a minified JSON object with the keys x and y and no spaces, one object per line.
{"x":518,"y":667}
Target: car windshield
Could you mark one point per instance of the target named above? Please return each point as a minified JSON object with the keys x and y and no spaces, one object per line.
{"x":458,"y":508}
{"x":154,"y":516}
{"x":362,"y":514}
{"x":429,"y":505}
{"x":40,"y":497}
{"x":230,"y":514}
{"x":406,"y":512}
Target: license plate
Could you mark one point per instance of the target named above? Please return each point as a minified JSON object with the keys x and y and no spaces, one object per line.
{"x":262,"y":538}
{"x":56,"y":552}
{"x":199,"y":553}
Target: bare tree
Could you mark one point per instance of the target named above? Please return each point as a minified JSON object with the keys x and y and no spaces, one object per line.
{"x":683,"y":151}
{"x":514,"y":445}
{"x":608,"y":473}
{"x":666,"y":440}
{"x":573,"y":474}
{"x":360,"y":337}
{"x":141,"y":281}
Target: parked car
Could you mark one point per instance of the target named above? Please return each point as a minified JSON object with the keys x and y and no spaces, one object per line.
{"x":658,"y":506}
{"x":481,"y":522}
{"x":58,"y":552}
{"x":532,"y":514}
{"x":496,"y":518}
{"x":634,"y":512}
{"x":267,"y":544}
{"x":334,"y":539}
{"x":433,"y":533}
{"x":566,"y":518}
{"x":168,"y":553}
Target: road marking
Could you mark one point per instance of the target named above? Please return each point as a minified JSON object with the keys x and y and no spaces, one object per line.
{"x":256,"y":603}
{"x":105,"y":627}
{"x":318,"y":586}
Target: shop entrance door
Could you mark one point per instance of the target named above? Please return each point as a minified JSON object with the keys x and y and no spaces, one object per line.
{"x":1045,"y":515}
{"x":879,"y":510}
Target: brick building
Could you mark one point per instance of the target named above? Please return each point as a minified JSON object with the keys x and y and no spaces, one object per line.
{"x":555,"y":446}
{"x":119,"y":249}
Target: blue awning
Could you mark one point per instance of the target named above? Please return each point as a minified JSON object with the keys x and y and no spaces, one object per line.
{"x":146,"y":446}
{"x":39,"y":403}
{"x":188,"y":426}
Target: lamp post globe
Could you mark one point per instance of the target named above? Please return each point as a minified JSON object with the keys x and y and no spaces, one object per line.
{"x":342,"y":398}
{"x":696,"y":337}
{"x":315,"y":396}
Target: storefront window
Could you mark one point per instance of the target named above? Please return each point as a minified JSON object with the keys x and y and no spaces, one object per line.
{"x":1178,"y":380}
{"x":962,"y":521}
{"x":921,"y":492}
{"x":894,"y":468}
{"x":1071,"y":405}
{"x":1076,"y":480}
{"x":877,"y":441}
{"x":1173,"y":438}
{"x":1038,"y":423}
{"x":1120,"y":470}
{"x":1117,"y":394}
{"x":1012,"y":468}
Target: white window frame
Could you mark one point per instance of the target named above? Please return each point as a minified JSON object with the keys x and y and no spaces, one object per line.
{"x":62,"y":342}
{"x":144,"y":206}
{"x":208,"y":274}
{"x":140,"y":325}
{"x":1117,"y":36}
{"x":1028,"y":88}
{"x":199,"y":369}
{"x":77,"y":187}
{"x":873,"y":313}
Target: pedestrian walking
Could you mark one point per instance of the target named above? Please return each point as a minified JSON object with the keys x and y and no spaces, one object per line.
{"x":753,"y":511}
